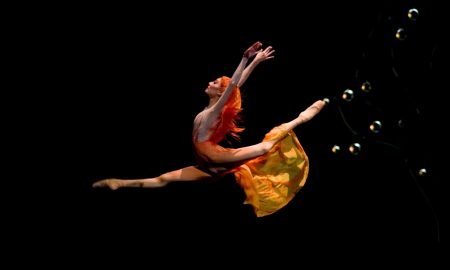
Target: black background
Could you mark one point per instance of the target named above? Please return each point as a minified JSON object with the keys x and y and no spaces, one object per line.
{"x":129,"y":80}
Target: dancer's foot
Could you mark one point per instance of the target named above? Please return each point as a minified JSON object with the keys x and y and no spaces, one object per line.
{"x":112,"y":183}
{"x":311,"y":111}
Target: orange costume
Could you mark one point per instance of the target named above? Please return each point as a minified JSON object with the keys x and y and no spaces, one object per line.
{"x":269,"y":181}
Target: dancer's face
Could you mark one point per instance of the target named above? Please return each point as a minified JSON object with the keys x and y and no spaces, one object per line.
{"x":214,"y":88}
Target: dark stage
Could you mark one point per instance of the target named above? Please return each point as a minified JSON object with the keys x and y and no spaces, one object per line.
{"x":132,"y":79}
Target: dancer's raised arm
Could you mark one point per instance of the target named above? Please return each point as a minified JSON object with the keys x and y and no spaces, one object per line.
{"x":249,"y":53}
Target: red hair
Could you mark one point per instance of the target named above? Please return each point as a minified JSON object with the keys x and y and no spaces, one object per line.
{"x":230,"y":115}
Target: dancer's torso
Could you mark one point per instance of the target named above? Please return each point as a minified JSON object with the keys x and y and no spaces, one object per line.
{"x":204,"y":126}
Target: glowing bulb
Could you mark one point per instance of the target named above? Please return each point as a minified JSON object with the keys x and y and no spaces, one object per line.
{"x":375,"y":127}
{"x":355,"y":148}
{"x":336,"y":149}
{"x":366,"y":86}
{"x":400,"y":34}
{"x":423,"y":172}
{"x":326,"y":100}
{"x":347,"y":95}
{"x":413,"y":14}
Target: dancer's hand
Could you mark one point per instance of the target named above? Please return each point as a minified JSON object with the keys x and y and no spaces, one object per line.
{"x":250,"y":52}
{"x":263,"y":55}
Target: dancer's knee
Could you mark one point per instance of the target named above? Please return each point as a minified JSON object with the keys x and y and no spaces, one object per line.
{"x":266,"y":146}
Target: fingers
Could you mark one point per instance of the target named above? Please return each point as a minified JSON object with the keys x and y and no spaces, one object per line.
{"x":257,"y":45}
{"x":269,"y":51}
{"x":262,"y":54}
{"x":253,"y":49}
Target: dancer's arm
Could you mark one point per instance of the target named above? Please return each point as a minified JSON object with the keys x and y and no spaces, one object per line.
{"x":250,"y":52}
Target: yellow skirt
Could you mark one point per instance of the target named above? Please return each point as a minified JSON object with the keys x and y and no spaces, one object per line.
{"x":272,"y":180}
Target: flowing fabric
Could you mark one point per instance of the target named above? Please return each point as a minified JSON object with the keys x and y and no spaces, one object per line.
{"x":272,"y":180}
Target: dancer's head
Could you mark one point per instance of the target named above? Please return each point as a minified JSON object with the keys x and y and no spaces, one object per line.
{"x":215,"y":88}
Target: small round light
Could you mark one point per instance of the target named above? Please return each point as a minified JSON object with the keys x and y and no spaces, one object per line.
{"x":347,"y":95}
{"x":400,"y":34}
{"x":355,"y":148}
{"x":326,"y":100}
{"x":366,"y":86}
{"x":336,"y":149}
{"x":375,"y":127}
{"x":423,"y":172}
{"x":413,"y":14}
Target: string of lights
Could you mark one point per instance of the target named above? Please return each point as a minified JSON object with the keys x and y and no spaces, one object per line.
{"x":379,"y":105}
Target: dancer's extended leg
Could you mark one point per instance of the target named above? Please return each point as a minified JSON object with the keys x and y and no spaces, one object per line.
{"x":190,"y":173}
